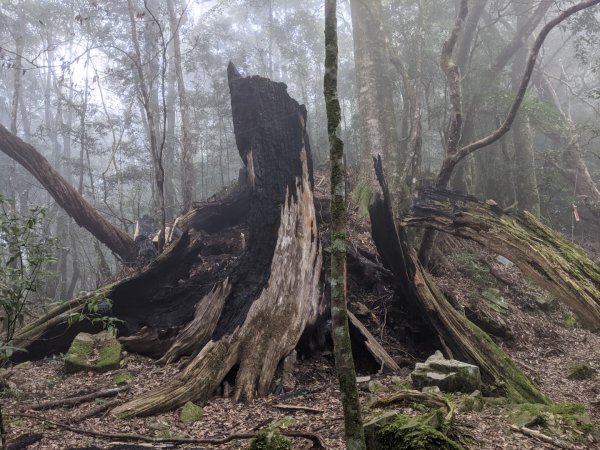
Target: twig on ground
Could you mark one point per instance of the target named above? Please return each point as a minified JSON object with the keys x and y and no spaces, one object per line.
{"x":71,"y":401}
{"x":94,"y":411}
{"x":298,"y":408}
{"x":542,"y":437}
{"x":315,"y":438}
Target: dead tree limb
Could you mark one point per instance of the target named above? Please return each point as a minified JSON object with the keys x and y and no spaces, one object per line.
{"x":84,"y":214}
{"x":72,"y":401}
{"x":128,"y":437}
{"x":459,"y":337}
{"x":552,"y":262}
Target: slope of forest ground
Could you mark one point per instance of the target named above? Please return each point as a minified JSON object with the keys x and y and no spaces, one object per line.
{"x":537,"y":332}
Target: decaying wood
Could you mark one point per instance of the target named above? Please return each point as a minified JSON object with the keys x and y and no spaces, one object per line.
{"x":24,"y":441}
{"x":552,"y":262}
{"x":94,"y":411}
{"x":412,"y":396}
{"x":76,"y":400}
{"x":316,"y":439}
{"x":459,"y":337}
{"x":298,"y":408}
{"x":274,"y":289}
{"x":360,"y":333}
{"x":542,"y":437}
{"x":51,"y":333}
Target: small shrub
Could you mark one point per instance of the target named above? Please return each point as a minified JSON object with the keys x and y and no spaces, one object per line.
{"x":581,"y":371}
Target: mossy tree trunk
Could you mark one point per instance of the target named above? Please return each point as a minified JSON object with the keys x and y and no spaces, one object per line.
{"x":459,"y":337}
{"x":555,"y":264}
{"x":344,"y":363}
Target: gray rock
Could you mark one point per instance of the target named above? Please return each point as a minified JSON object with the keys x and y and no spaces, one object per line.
{"x":505,"y":262}
{"x":448,"y":374}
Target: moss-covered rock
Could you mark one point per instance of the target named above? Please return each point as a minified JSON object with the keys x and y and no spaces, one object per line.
{"x":270,"y":440}
{"x":191,"y":413}
{"x":393,"y":431}
{"x":581,"y":371}
{"x":122,"y":378}
{"x":98,"y":352}
{"x":472,"y":402}
{"x":448,"y":374}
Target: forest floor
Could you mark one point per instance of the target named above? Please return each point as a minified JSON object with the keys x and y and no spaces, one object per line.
{"x":539,"y":334}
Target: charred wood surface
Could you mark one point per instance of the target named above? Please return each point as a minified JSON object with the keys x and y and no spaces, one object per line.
{"x":252,"y":314}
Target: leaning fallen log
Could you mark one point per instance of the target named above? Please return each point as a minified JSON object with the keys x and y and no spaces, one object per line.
{"x":550,"y":261}
{"x":460,"y":338}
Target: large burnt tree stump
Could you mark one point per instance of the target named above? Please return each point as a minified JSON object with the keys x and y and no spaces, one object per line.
{"x":255,"y":314}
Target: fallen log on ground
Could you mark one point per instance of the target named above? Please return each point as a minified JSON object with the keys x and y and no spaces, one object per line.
{"x":460,"y":338}
{"x":550,"y":261}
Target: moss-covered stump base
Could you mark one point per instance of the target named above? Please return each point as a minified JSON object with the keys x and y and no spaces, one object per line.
{"x":393,"y":431}
{"x":96,"y":352}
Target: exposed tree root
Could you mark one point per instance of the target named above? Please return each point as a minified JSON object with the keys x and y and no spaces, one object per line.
{"x":555,"y":264}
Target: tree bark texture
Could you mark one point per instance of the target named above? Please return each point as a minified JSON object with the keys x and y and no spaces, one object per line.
{"x":67,"y":196}
{"x":378,"y":127}
{"x":555,"y":264}
{"x":260,"y":307}
{"x":459,"y":337}
{"x":528,"y":196}
{"x":354,"y":434}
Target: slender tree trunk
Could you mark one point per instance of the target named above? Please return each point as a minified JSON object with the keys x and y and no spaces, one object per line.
{"x":378,"y":127}
{"x":528,"y":196}
{"x":187,"y":164}
{"x":146,"y":93}
{"x":344,"y":363}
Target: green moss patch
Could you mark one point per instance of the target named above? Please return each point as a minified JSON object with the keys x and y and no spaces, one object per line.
{"x":270,"y":440}
{"x":122,"y":378}
{"x":99,"y":352}
{"x":191,"y":413}
{"x":410,"y":433}
{"x":581,"y":371}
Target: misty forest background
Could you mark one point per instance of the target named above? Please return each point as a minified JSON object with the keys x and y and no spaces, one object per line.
{"x":70,"y":85}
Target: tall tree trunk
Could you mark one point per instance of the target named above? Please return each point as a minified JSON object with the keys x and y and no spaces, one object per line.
{"x":151,"y":118}
{"x":344,"y":363}
{"x":187,"y":163}
{"x":528,"y":196}
{"x":67,"y":196}
{"x":378,"y":128}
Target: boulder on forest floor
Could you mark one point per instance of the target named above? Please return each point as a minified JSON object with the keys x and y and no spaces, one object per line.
{"x":96,"y":352}
{"x":449,"y":375}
